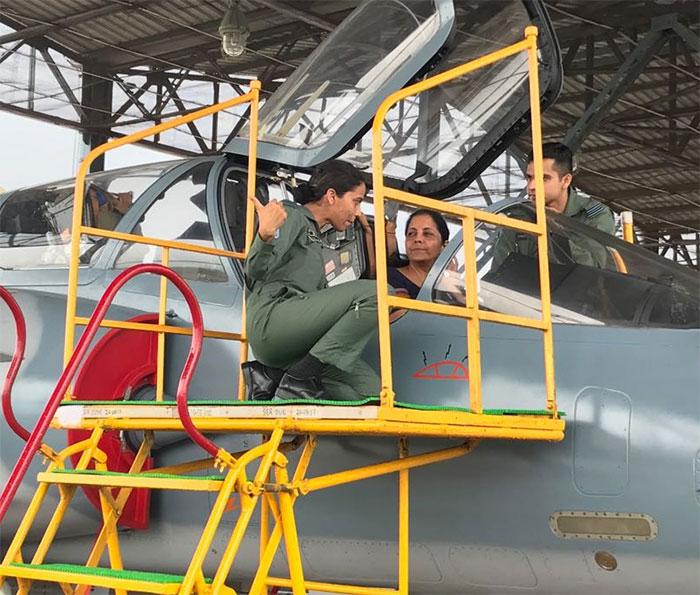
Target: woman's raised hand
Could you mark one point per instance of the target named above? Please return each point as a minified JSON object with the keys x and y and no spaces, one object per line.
{"x":270,"y":218}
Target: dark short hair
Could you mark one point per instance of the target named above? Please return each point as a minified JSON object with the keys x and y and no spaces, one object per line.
{"x":339,"y":175}
{"x":562,"y":155}
{"x":437,"y":218}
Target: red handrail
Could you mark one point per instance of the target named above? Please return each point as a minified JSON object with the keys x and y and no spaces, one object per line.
{"x":37,"y":435}
{"x":20,"y":343}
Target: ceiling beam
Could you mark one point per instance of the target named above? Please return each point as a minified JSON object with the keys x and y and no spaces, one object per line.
{"x":161,"y":50}
{"x":668,"y":209}
{"x":678,"y":113}
{"x":78,"y":126}
{"x":182,"y":38}
{"x":667,"y":191}
{"x":607,"y":129}
{"x":580,"y":97}
{"x":655,"y":166}
{"x":682,"y":226}
{"x":617,"y":86}
{"x":610,"y":68}
{"x":303,"y":15}
{"x":45,"y":42}
{"x":621,"y":23}
{"x":81,"y":17}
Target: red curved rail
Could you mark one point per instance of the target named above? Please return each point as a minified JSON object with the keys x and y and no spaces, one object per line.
{"x":37,"y":435}
{"x":20,"y":344}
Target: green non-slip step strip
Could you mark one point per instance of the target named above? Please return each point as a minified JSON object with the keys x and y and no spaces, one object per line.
{"x":132,"y":575}
{"x":367,"y":401}
{"x":145,"y":474}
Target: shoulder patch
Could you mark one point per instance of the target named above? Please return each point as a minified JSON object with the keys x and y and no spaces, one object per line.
{"x":594,"y":210}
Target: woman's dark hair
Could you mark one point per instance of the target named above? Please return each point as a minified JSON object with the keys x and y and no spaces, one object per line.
{"x":339,"y":175}
{"x":437,"y":218}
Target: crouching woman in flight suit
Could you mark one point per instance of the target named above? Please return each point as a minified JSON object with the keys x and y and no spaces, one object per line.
{"x":294,"y":320}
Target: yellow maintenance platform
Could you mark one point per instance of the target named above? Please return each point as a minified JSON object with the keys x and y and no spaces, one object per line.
{"x":282,"y":427}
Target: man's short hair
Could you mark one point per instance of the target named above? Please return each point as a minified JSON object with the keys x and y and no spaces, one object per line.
{"x":562,"y":155}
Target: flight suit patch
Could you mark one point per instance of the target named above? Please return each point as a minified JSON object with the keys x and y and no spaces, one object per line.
{"x":312,"y":236}
{"x":594,"y":210}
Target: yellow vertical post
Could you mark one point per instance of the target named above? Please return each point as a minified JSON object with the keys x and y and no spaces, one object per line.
{"x":548,"y":340}
{"x":258,"y":584}
{"x":291,"y":539}
{"x":404,"y":541}
{"x":473,"y":322}
{"x":14,"y":551}
{"x":249,"y":217}
{"x":76,"y":232}
{"x":248,"y":501}
{"x":66,"y":496}
{"x":264,"y":526}
{"x":109,"y":525}
{"x":208,"y":534}
{"x":627,"y":226}
{"x":113,"y":548}
{"x":387,"y":390}
{"x":160,"y":357}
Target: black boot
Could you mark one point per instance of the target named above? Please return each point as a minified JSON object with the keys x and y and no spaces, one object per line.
{"x":260,"y":380}
{"x":291,"y":387}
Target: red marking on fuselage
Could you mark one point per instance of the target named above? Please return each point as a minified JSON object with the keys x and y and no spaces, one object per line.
{"x":444,"y":370}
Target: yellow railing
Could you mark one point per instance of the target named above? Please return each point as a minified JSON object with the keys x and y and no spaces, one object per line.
{"x":469,"y":216}
{"x":78,"y":229}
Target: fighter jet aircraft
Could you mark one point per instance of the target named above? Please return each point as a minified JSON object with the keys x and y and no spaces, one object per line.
{"x":611,"y":509}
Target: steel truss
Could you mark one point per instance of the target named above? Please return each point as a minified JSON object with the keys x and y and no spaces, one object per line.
{"x":632,"y":74}
{"x":630,"y":108}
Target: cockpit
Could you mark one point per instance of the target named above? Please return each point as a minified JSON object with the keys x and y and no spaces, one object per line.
{"x":595,"y":278}
{"x":35,"y":223}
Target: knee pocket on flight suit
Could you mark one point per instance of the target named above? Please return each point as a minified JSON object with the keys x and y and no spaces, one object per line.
{"x":365,"y":292}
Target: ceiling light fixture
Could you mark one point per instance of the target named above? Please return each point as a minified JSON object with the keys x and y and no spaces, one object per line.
{"x":233,"y":30}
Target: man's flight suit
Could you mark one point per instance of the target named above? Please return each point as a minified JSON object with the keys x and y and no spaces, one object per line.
{"x":580,"y":208}
{"x":591,"y":212}
{"x":291,"y":311}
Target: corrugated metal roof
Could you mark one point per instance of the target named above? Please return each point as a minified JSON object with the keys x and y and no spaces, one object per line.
{"x":644,"y":155}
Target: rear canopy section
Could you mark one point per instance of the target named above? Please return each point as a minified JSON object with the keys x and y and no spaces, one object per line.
{"x":441,"y":139}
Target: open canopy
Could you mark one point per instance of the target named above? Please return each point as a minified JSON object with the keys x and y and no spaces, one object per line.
{"x":441,"y":139}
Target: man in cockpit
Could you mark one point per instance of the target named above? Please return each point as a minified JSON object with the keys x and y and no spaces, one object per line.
{"x":561,"y":197}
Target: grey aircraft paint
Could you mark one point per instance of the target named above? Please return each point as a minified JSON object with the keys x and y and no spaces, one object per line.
{"x":627,"y":378}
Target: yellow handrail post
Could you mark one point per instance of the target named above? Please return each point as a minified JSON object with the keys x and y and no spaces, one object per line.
{"x":249,"y":219}
{"x":542,"y":256}
{"x":404,"y":536}
{"x":627,"y":226}
{"x":473,"y":322}
{"x":387,"y":389}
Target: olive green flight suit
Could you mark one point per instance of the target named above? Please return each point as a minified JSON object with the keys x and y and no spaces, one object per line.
{"x":580,"y":208}
{"x":291,"y":311}
{"x":586,"y":210}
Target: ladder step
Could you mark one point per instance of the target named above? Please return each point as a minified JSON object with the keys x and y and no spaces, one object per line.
{"x":129,"y":580}
{"x":155,"y":481}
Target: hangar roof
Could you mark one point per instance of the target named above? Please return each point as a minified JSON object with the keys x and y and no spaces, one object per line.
{"x":643,"y":155}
